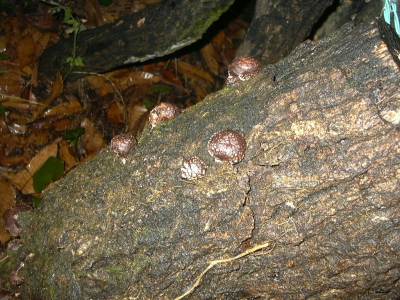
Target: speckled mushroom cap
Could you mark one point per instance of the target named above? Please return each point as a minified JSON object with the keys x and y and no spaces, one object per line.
{"x":121,"y":144}
{"x":227,"y":146}
{"x":242,"y":69}
{"x":163,"y":112}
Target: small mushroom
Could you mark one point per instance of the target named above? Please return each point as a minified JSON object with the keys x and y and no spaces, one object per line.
{"x":163,"y":112}
{"x":193,"y":168}
{"x":123,"y":143}
{"x":242,"y":69}
{"x":227,"y":146}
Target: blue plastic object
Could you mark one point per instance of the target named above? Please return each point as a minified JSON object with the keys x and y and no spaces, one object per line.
{"x":391,"y":14}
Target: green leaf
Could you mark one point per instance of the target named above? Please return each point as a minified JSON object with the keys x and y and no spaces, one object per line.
{"x":3,"y":110}
{"x":68,"y":17}
{"x":73,"y":135}
{"x":105,"y":2}
{"x":4,"y":56}
{"x":75,"y":61}
{"x":36,"y":201}
{"x":51,"y":170}
{"x":161,"y":89}
{"x":149,"y":103}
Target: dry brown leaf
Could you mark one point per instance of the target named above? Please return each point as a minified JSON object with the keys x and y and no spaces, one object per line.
{"x":42,"y":40}
{"x":194,"y":73}
{"x":37,"y":138}
{"x":128,"y":77}
{"x":11,"y":161}
{"x":10,"y":150}
{"x":20,"y":179}
{"x":23,"y":179}
{"x":3,"y":43}
{"x":26,"y":51}
{"x":211,"y":58}
{"x":92,"y":140}
{"x":220,"y":41}
{"x":11,"y":82}
{"x":200,"y":90}
{"x":65,"y":124}
{"x":40,"y":158}
{"x":93,"y":13}
{"x":171,"y":77}
{"x":66,"y":154}
{"x":17,"y":103}
{"x":7,"y":193}
{"x":100,"y":84}
{"x":137,"y":117}
{"x":64,"y":109}
{"x":122,"y":79}
{"x":115,"y":113}
{"x":56,"y":90}
{"x":4,"y":235}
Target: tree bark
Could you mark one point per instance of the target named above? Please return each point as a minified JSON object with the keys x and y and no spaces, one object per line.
{"x":279,"y":26}
{"x":153,"y":32}
{"x":311,"y":212}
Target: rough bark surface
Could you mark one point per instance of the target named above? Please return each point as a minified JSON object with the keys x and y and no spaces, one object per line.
{"x":317,"y":194}
{"x":279,"y":26}
{"x":153,"y":32}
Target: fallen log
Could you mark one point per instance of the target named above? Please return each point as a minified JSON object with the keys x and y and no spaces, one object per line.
{"x":311,"y":212}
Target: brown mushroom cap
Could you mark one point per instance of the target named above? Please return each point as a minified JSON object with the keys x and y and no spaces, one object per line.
{"x":245,"y":64}
{"x":242,"y":69}
{"x":123,"y":143}
{"x":228,"y":146}
{"x":163,"y":112}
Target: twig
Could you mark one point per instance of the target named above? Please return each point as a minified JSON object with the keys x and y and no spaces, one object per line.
{"x":4,"y":258}
{"x":222,"y":261}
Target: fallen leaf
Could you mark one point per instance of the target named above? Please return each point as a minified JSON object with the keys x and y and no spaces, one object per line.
{"x":11,"y":82}
{"x":201,"y":91}
{"x":50,"y":171}
{"x":64,"y":109}
{"x":137,"y":118}
{"x":92,"y":141}
{"x":193,"y":72}
{"x":65,"y":124}
{"x":56,"y":90}
{"x":23,"y":179}
{"x":210,"y":57}
{"x":42,"y":156}
{"x":66,"y":154}
{"x":26,"y":51}
{"x":115,"y":113}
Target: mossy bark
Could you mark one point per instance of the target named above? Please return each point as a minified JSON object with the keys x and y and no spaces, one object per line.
{"x":318,"y":190}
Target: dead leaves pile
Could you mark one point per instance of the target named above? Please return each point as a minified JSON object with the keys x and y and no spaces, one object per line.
{"x":48,"y":137}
